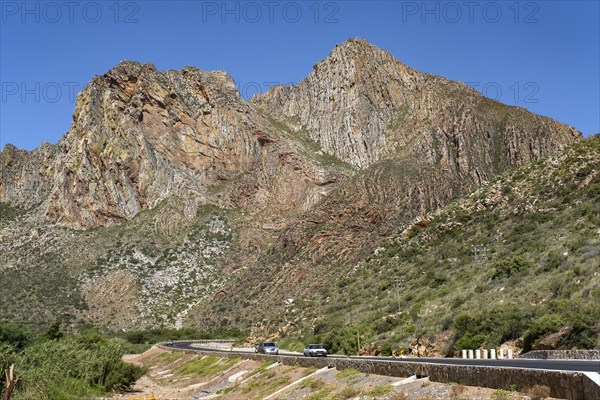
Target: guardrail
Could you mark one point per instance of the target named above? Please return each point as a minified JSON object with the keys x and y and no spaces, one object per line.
{"x":218,"y":341}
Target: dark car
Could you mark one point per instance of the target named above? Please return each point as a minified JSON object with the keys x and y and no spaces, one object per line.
{"x":267,"y":348}
{"x":315,"y":350}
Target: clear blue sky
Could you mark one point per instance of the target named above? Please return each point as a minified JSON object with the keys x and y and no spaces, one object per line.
{"x":542,"y":55}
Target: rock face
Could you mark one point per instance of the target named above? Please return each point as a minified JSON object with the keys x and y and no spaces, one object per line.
{"x":363,"y":105}
{"x":26,"y":178}
{"x":417,"y":141}
{"x":319,"y":172}
{"x":140,"y":136}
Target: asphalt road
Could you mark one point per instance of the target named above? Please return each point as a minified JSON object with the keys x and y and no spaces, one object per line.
{"x":557,"y":365}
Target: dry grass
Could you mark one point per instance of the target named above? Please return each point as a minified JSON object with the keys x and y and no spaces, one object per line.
{"x":457,"y":391}
{"x":399,"y":396}
{"x":350,"y":392}
{"x":538,"y":392}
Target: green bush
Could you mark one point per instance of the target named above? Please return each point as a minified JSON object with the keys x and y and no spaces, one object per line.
{"x":16,"y":336}
{"x":493,"y":325}
{"x":470,"y":341}
{"x":505,"y":268}
{"x":66,"y":367}
{"x":582,"y":317}
{"x":541,"y":326}
{"x":343,"y":340}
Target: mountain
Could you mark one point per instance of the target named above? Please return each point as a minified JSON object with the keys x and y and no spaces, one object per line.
{"x":140,"y":136}
{"x":173,"y":201}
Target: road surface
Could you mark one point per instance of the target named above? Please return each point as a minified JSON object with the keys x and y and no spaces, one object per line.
{"x":556,"y":365}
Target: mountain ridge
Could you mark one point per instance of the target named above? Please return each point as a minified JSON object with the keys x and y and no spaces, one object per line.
{"x":372,"y":114}
{"x":170,"y":186}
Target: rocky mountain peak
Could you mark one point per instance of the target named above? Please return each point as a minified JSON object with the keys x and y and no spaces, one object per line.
{"x":363,"y":105}
{"x":357,"y":51}
{"x":348,"y":101}
{"x":140,"y":135}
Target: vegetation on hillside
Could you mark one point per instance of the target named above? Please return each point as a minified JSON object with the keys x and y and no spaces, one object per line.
{"x":519,"y":258}
{"x":52,"y":365}
{"x":141,"y":273}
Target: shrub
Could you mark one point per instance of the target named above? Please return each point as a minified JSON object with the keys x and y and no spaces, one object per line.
{"x":505,"y":268}
{"x":492,"y":325}
{"x":538,"y":392}
{"x":470,"y":341}
{"x":399,"y":396}
{"x":500,"y":394}
{"x":342,"y":340}
{"x":458,"y":390}
{"x":348,"y":393}
{"x":74,"y":367}
{"x":348,"y":373}
{"x":322,"y":394}
{"x":553,"y":261}
{"x":122,"y":375}
{"x":315,"y":384}
{"x":380,"y":391}
{"x":542,"y":326}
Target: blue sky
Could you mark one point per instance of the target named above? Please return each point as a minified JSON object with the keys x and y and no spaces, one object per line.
{"x":541,"y":55}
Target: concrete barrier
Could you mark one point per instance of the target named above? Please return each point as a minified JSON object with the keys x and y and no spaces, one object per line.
{"x":562,"y":384}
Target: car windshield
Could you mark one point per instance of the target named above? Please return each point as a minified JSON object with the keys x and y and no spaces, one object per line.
{"x":269,"y":344}
{"x":315,"y":346}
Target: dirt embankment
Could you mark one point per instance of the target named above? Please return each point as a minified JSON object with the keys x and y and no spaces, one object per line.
{"x":184,"y":376}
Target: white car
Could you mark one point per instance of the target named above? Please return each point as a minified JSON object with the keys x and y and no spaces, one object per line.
{"x":315,"y":350}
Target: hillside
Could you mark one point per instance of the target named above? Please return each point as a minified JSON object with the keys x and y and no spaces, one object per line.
{"x":516,"y":260}
{"x":172,"y":201}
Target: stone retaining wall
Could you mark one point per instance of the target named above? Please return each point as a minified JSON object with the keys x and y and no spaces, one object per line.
{"x":565,"y":385}
{"x":562,"y":355}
